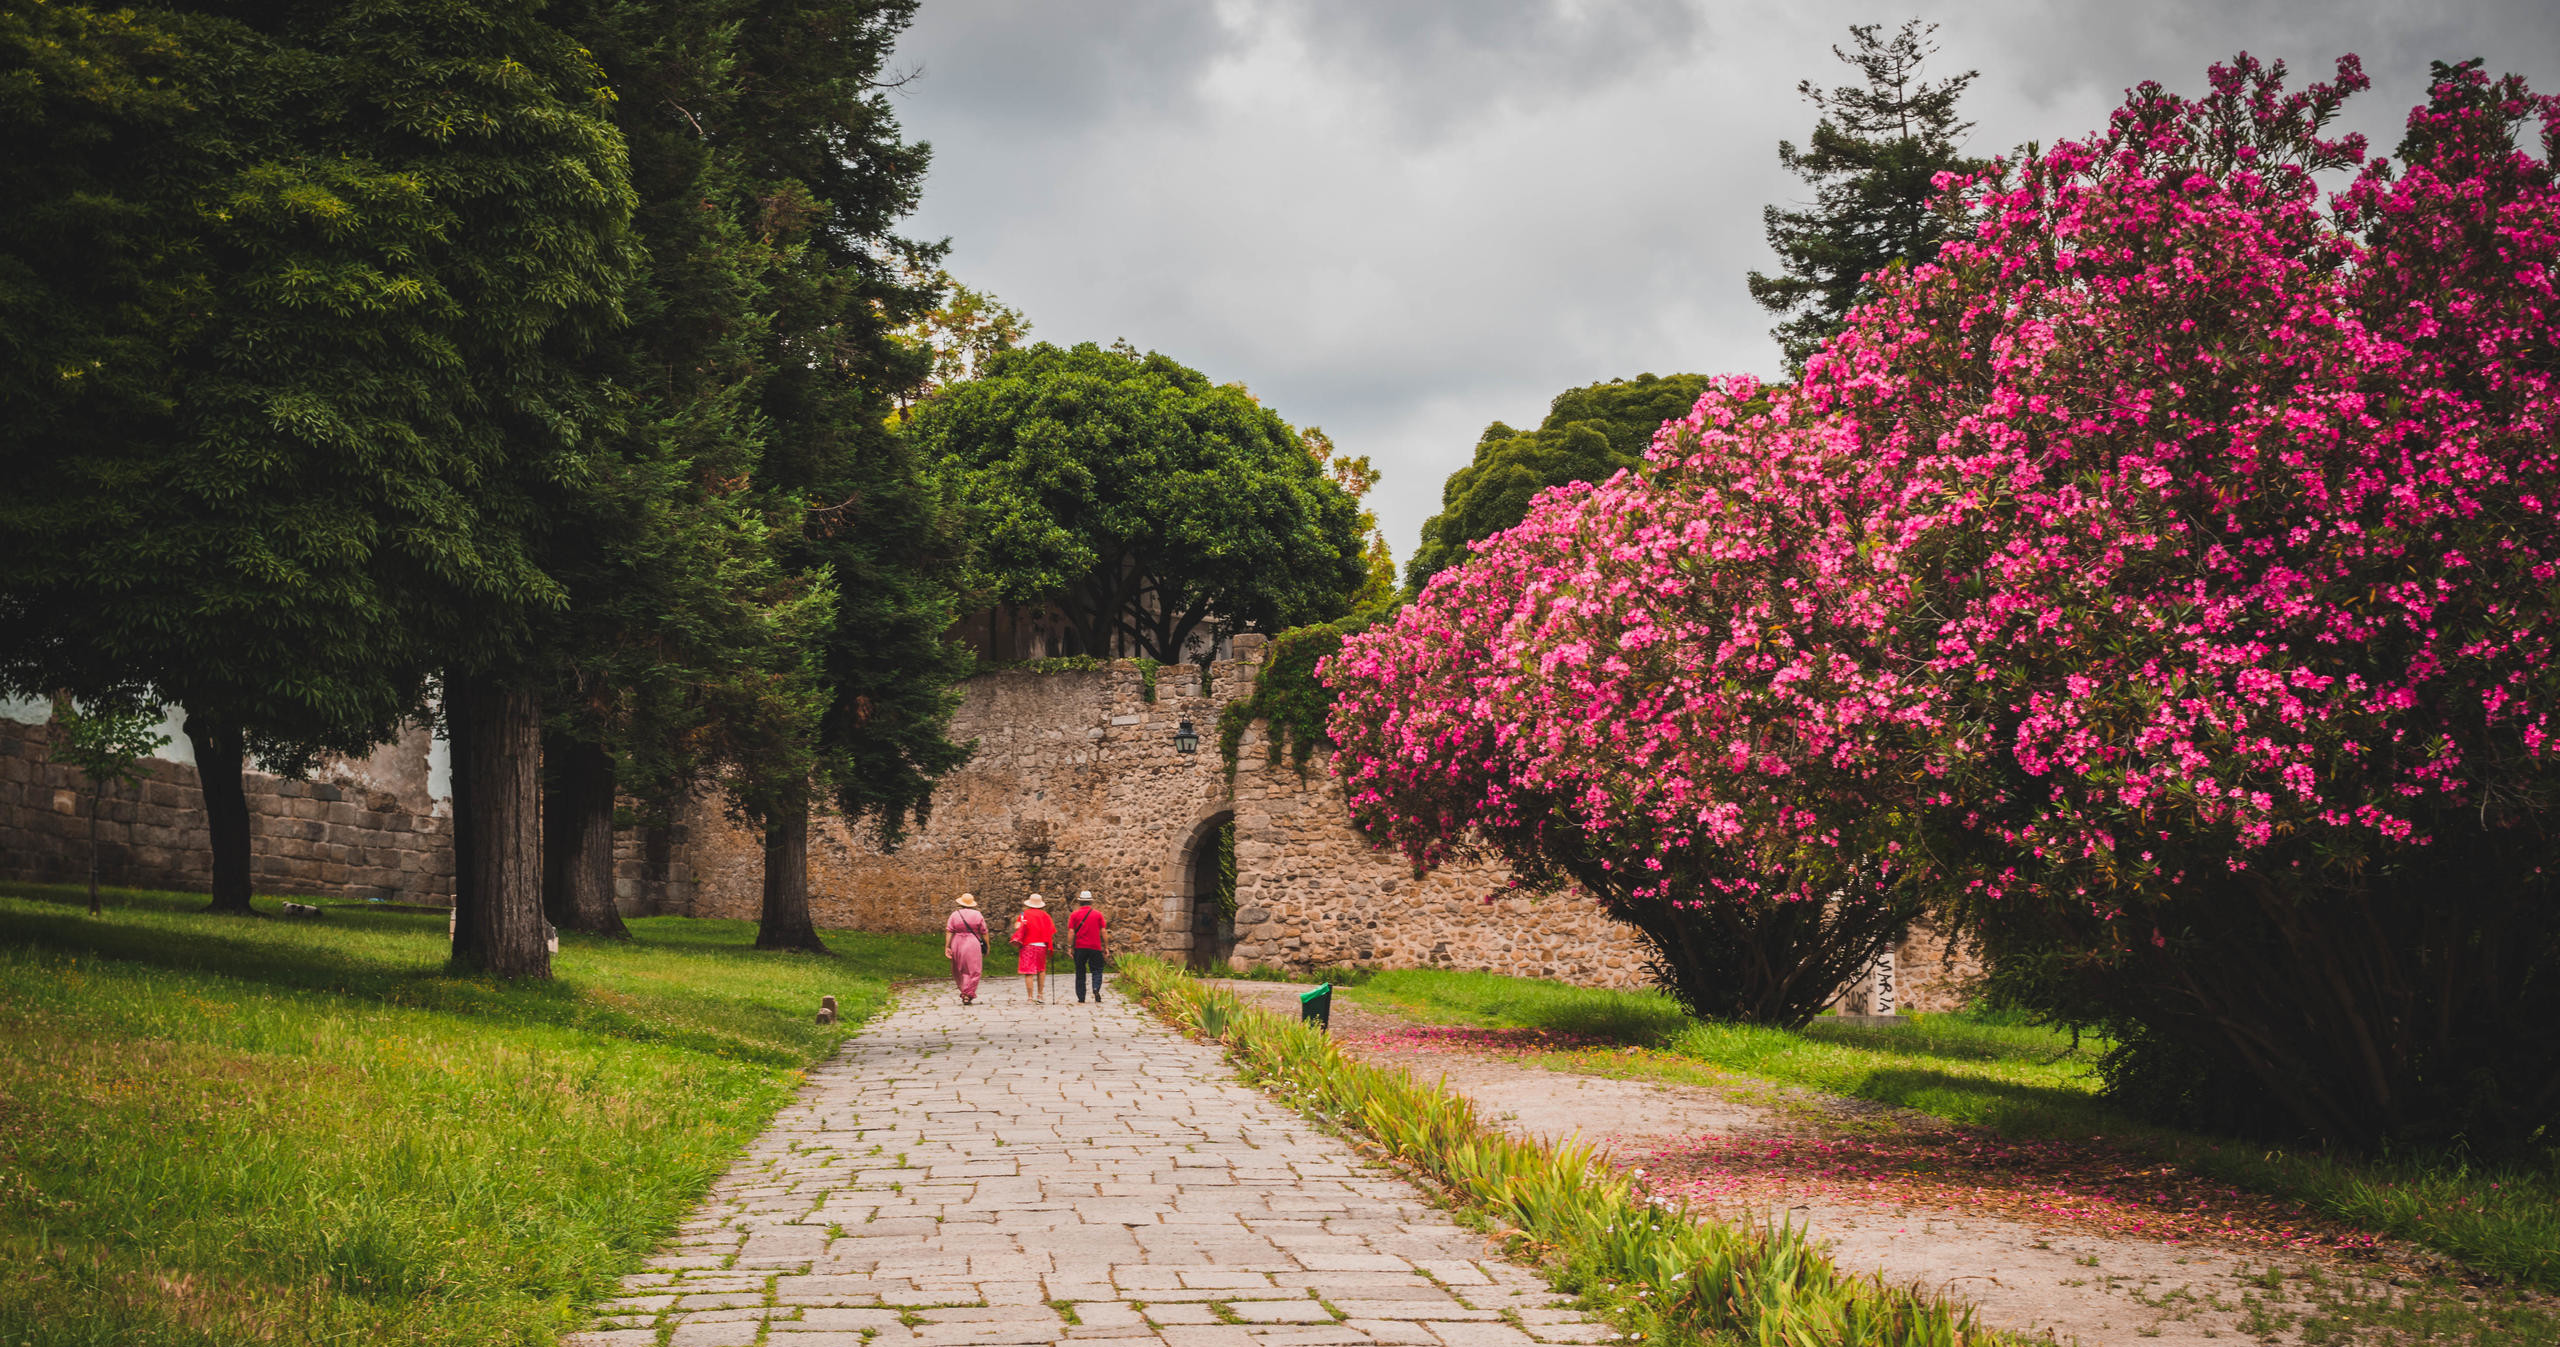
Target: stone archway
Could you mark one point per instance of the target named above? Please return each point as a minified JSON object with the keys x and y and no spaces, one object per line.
{"x":1205,"y":870}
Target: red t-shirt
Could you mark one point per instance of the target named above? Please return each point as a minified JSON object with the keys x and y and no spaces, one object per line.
{"x":1087,"y":923}
{"x":1035,"y":928}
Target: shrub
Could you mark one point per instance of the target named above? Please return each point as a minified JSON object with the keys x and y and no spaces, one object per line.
{"x":1620,"y":694}
{"x":2238,"y":523}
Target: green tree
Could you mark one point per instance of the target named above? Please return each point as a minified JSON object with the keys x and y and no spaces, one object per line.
{"x":290,"y":291}
{"x":107,"y":742}
{"x":167,"y":249}
{"x":852,"y":502}
{"x":1144,"y":501}
{"x":1873,"y":162}
{"x":1590,"y":433}
{"x":1356,"y":477}
{"x":684,"y":648}
{"x":962,"y":333}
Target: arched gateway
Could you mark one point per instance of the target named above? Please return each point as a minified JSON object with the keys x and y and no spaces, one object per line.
{"x":1205,"y":901}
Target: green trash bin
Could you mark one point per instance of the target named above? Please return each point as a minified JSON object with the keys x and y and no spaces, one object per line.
{"x":1316,"y":1007}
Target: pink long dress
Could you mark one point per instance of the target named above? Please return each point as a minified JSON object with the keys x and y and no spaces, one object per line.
{"x":965,"y":936}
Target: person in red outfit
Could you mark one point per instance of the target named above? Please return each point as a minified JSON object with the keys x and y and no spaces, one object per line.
{"x":1084,"y":928}
{"x":1035,"y":933}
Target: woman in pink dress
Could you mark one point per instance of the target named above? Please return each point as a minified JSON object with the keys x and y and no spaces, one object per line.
{"x":964,"y":943}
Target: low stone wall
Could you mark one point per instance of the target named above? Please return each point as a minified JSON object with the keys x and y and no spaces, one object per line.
{"x":1312,"y":893}
{"x":308,"y":838}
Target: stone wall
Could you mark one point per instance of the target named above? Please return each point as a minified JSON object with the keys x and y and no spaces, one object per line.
{"x":327,"y":838}
{"x":1077,"y":784}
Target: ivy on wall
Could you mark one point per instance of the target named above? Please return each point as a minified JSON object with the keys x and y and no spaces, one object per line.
{"x":1226,"y":894}
{"x":1288,"y":695}
{"x":1053,"y":664}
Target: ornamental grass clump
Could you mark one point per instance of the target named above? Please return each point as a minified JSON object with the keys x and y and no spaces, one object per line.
{"x":1669,"y":1274}
{"x":2163,"y":583}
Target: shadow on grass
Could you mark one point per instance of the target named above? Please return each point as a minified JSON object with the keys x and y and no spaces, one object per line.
{"x":2008,"y":1107}
{"x":1951,"y":1038}
{"x":1637,"y":1019}
{"x":405,"y":968}
{"x":1610,"y":1021}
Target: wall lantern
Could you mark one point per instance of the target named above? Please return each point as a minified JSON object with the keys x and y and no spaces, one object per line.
{"x":1185,"y":738}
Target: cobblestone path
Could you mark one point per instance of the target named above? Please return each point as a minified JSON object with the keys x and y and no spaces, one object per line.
{"x":1012,"y":1174}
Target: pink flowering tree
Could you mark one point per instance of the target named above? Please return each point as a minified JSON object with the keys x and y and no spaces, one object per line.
{"x":1622,"y":695}
{"x":2241,"y":600}
{"x":2164,"y":581}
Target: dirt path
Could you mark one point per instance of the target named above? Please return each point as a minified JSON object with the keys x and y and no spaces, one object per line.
{"x":2046,"y":1240}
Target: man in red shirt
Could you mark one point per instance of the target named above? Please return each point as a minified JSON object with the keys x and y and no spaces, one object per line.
{"x":1085,"y":926}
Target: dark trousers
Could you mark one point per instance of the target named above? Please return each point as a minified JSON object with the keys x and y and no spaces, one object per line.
{"x":1089,"y":959}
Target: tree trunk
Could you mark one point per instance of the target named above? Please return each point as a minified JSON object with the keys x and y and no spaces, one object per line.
{"x":219,"y":755}
{"x":577,"y":837}
{"x":785,"y":923}
{"x":97,"y":801}
{"x":1758,"y":961}
{"x":496,"y":734}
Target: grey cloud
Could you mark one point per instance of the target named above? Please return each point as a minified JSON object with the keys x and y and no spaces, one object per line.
{"x":1044,"y":68}
{"x":1438,"y":65}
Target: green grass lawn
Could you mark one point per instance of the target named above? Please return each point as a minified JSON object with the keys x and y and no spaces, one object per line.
{"x":216,"y":1130}
{"x":2015,"y":1079}
{"x":2020,"y":1079}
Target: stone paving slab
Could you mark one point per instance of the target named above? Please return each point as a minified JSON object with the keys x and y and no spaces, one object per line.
{"x":1004,"y":1175}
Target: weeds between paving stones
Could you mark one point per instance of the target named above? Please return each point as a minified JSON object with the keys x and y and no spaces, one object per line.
{"x":1666,"y":1276}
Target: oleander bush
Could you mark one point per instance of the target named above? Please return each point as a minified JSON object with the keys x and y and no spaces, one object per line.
{"x":2164,"y":583}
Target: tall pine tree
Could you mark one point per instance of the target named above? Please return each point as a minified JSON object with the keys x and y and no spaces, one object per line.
{"x":829,"y":176}
{"x":1872,"y":162}
{"x":685,"y":649}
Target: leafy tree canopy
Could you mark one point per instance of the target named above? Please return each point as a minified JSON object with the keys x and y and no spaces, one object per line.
{"x":285,"y":287}
{"x":963,"y":332}
{"x":108,"y":739}
{"x":1147,"y":502}
{"x":1357,"y":476}
{"x":1590,"y":433}
{"x":1873,"y":163}
{"x":683,"y":650}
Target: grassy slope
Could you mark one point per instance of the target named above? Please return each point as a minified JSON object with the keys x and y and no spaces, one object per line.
{"x":2016,"y":1080}
{"x":215,"y":1130}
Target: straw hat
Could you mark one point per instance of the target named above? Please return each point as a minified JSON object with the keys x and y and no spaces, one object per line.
{"x":1034,"y":901}
{"x":1084,"y":895}
{"x":968,"y":900}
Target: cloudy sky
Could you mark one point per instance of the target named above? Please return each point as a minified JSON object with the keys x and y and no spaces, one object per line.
{"x":1402,"y":219}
